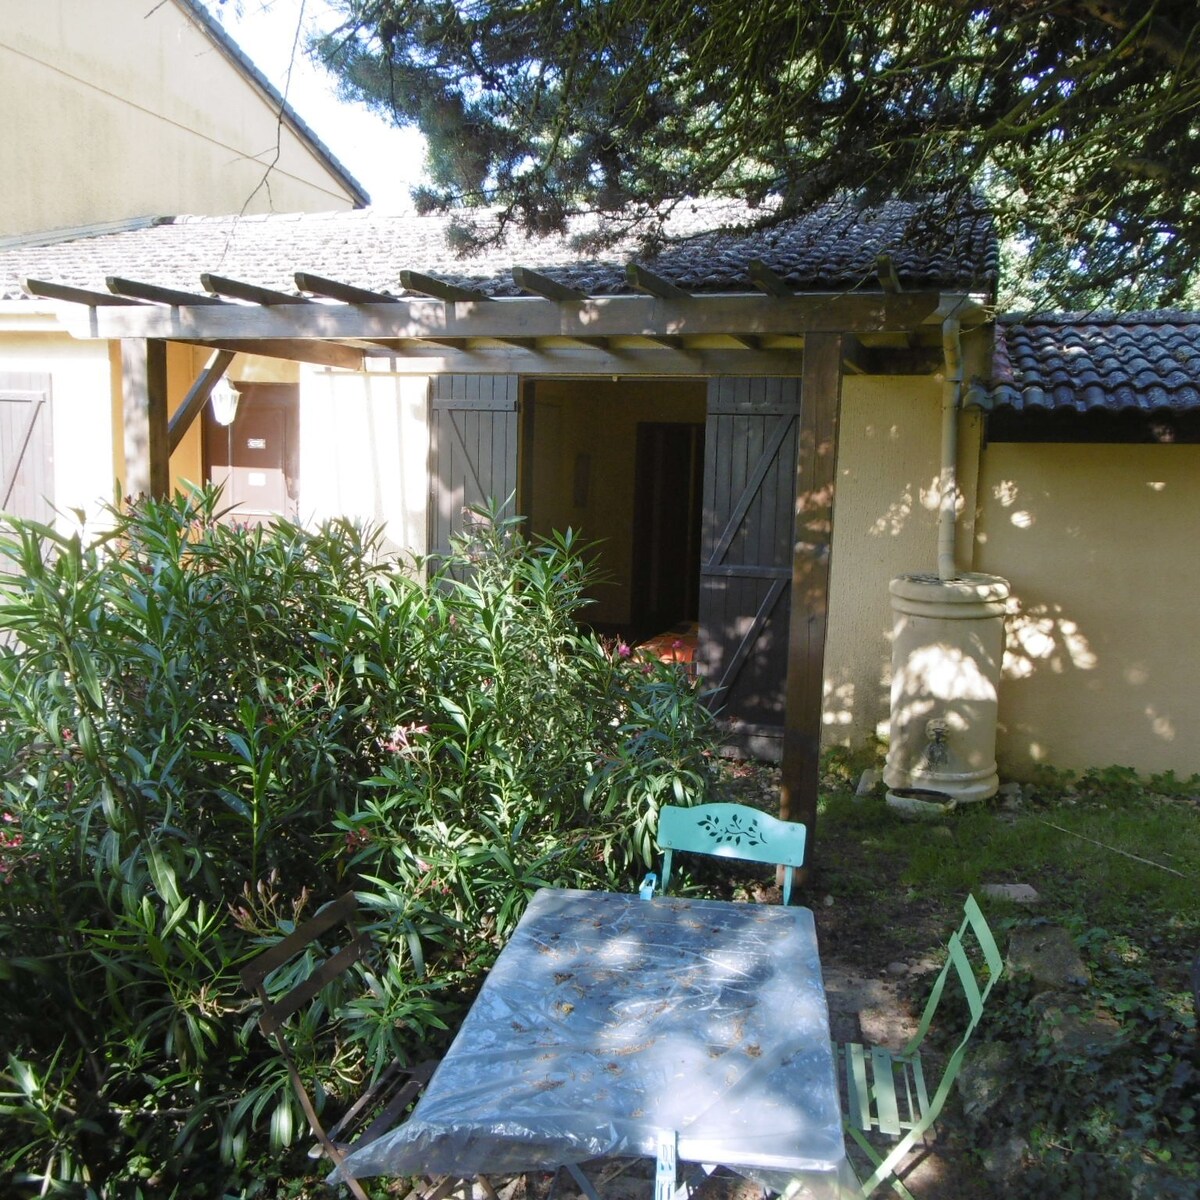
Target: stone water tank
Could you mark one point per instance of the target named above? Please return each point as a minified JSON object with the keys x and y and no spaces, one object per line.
{"x":946,"y":658}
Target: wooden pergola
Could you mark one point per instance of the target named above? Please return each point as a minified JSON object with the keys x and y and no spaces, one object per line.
{"x":549,"y":330}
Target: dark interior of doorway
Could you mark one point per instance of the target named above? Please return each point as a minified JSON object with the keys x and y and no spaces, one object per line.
{"x":621,"y":462}
{"x":666,"y":528}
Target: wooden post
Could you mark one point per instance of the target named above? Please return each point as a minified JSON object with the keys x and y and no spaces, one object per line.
{"x":144,"y":397}
{"x":820,"y":401}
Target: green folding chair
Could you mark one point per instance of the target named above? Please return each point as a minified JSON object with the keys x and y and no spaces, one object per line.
{"x":886,"y":1092}
{"x":729,"y":831}
{"x":310,"y":958}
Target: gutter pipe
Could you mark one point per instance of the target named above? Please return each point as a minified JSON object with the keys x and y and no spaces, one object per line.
{"x":952,"y":388}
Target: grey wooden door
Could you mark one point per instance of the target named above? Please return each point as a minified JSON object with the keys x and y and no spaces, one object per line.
{"x":26,"y":447}
{"x":473,"y":449}
{"x":746,"y":548}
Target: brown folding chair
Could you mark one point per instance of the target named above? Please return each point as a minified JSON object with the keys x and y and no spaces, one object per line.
{"x":379,"y":1109}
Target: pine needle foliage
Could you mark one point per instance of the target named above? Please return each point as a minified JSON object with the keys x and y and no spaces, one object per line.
{"x":1078,"y":119}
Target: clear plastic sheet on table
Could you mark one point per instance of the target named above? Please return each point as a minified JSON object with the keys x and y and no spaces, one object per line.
{"x":608,"y":1019}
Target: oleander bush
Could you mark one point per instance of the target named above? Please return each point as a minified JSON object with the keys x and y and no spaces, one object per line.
{"x":208,"y":731}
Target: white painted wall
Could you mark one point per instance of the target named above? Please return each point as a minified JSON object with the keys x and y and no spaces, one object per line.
{"x":81,"y":404}
{"x":364,"y":452}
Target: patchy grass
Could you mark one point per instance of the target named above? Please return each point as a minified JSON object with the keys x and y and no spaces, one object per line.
{"x":1124,"y":858}
{"x":1114,"y":861}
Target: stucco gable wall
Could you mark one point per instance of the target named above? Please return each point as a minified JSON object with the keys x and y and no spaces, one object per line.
{"x":1099,"y":543}
{"x":121,"y":109}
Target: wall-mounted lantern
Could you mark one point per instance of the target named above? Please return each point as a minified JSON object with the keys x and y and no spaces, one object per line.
{"x":224,"y":400}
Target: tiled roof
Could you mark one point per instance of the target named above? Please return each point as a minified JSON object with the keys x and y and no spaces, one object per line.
{"x":833,"y":248}
{"x":1143,"y":361}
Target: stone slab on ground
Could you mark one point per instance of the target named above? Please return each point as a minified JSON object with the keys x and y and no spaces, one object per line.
{"x":1086,"y":1031}
{"x":1048,"y":954}
{"x":1014,"y":893}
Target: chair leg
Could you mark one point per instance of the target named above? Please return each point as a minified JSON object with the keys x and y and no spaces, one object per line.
{"x":884,"y":1164}
{"x":584,"y":1183}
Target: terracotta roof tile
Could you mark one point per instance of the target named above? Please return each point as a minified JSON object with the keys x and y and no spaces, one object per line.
{"x":1144,"y":361}
{"x":831,"y":249}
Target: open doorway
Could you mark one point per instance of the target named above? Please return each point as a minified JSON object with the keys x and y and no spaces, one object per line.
{"x":622,"y":462}
{"x":669,"y":484}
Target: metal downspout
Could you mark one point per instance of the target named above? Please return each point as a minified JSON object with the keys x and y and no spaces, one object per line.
{"x":948,"y":477}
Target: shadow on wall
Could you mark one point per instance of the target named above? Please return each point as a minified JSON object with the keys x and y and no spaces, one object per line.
{"x":1042,"y":637}
{"x":1097,"y":543}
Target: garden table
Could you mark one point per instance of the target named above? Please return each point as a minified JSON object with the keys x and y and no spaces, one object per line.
{"x":612,"y":1026}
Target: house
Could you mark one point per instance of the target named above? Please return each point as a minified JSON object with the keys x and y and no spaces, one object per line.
{"x":705,"y":414}
{"x":117,"y":115}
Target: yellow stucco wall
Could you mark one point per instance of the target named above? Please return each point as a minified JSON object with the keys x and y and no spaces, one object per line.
{"x":885,"y":524}
{"x":118,"y":108}
{"x":1100,"y":545}
{"x":80,"y":405}
{"x":85,"y":395}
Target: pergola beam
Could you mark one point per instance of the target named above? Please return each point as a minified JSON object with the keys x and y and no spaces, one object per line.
{"x":565,"y":362}
{"x":333,"y":289}
{"x":767,"y":281}
{"x":439,"y":289}
{"x":885,"y":272}
{"x":854,"y":356}
{"x":238,"y":289}
{"x":322,"y":354}
{"x":599,"y":317}
{"x":538,"y":284}
{"x":647,"y":281}
{"x":144,"y":403}
{"x":821,"y":393}
{"x":48,"y":290}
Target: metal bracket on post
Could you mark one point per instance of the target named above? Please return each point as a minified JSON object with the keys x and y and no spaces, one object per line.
{"x":666,"y":1166}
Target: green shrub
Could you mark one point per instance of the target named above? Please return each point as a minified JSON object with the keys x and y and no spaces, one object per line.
{"x":209,"y":731}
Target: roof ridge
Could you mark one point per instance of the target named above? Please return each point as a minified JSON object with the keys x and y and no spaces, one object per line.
{"x":76,"y":233}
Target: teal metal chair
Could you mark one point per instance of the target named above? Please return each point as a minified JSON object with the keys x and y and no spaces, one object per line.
{"x":887,"y":1093}
{"x":730,"y":831}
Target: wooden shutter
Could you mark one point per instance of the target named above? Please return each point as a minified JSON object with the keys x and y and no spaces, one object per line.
{"x":473,"y":448}
{"x":746,"y":549}
{"x":26,"y":447}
